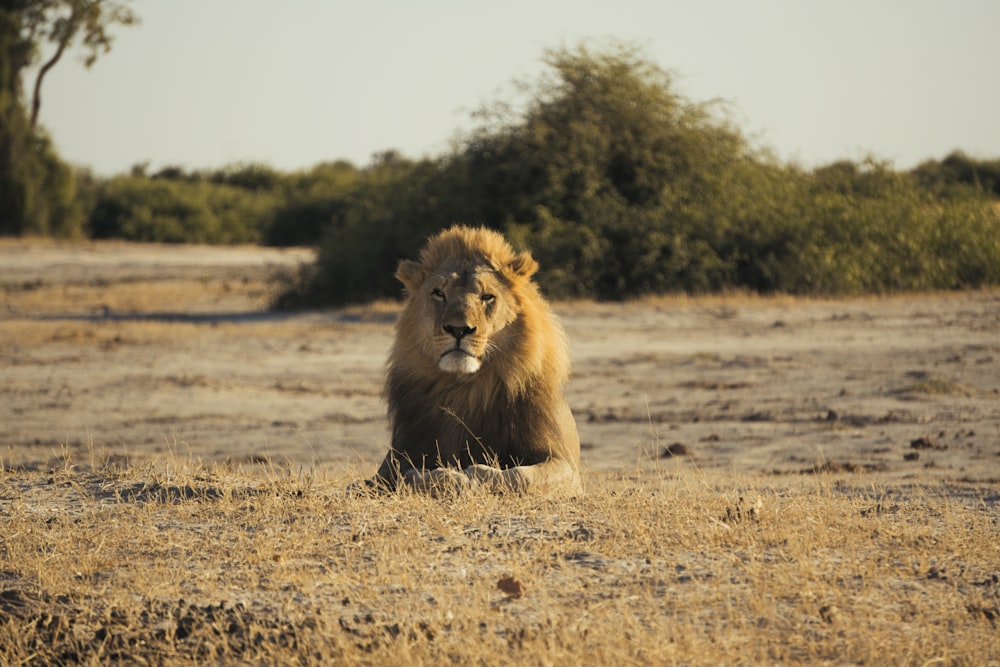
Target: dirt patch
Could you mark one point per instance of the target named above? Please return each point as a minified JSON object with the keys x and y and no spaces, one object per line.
{"x":139,"y":351}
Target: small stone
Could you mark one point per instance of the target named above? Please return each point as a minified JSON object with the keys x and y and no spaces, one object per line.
{"x":829,"y":613}
{"x":676,"y":449}
{"x":926,"y":443}
{"x":510,"y":587}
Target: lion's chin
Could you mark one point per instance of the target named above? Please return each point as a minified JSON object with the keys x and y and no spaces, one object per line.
{"x":459,"y":362}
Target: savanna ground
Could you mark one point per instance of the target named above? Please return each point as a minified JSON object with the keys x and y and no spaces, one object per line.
{"x":768,"y":481}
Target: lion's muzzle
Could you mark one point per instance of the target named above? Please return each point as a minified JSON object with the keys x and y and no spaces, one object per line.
{"x":459,"y":359}
{"x":459,"y":332}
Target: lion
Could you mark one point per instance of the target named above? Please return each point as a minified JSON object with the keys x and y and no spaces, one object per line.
{"x":476,"y":375}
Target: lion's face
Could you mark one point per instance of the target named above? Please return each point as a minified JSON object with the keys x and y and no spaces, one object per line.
{"x":464,"y":311}
{"x":465,"y":300}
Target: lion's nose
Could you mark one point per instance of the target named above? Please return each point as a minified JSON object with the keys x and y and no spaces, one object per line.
{"x":459,"y":332}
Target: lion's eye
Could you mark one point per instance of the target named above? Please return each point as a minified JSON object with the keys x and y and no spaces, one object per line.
{"x":488,"y":298}
{"x":437,"y":294}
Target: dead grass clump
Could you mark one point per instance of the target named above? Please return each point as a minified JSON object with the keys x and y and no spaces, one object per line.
{"x":925,"y":384}
{"x":138,"y":296}
{"x":178,"y":564}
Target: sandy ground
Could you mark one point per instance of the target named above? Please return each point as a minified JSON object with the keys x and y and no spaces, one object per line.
{"x":139,"y":352}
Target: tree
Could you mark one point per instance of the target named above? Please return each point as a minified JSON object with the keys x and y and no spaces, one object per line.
{"x":37,"y":190}
{"x":59,"y":22}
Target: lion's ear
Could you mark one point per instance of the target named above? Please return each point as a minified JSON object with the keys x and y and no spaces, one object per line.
{"x":524,"y":265}
{"x":411,"y":274}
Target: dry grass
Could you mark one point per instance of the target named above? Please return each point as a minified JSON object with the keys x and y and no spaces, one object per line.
{"x":39,"y":277}
{"x":139,"y":296}
{"x":176,"y":563}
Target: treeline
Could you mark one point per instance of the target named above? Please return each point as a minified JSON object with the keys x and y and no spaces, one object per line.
{"x":620,"y":187}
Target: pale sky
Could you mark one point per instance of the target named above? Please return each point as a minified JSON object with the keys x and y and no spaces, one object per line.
{"x":206,"y":83}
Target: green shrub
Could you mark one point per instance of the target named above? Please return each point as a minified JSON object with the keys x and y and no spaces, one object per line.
{"x":171,"y":209}
{"x":395,"y":206}
{"x":957,"y":174}
{"x":312,"y":201}
{"x":622,"y":188}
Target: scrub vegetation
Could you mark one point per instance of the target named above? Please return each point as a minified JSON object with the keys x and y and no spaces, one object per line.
{"x":619,"y":185}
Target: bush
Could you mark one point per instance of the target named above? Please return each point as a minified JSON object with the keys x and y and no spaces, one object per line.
{"x":311,"y":202}
{"x":622,"y":188}
{"x":958,"y":174}
{"x":37,"y":189}
{"x":170,"y":208}
{"x":619,"y":186}
{"x":396,"y":205}
{"x":605,"y":175}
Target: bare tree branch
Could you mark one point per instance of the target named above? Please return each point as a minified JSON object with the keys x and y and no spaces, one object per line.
{"x":47,"y":20}
{"x":36,"y":95}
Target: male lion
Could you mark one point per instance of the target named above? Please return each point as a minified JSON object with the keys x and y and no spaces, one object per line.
{"x":476,"y":374}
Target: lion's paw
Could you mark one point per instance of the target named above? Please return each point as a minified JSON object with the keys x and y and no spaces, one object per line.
{"x":437,"y":480}
{"x":493,"y":479}
{"x":483,"y":474}
{"x":361,"y":487}
{"x":364,"y":488}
